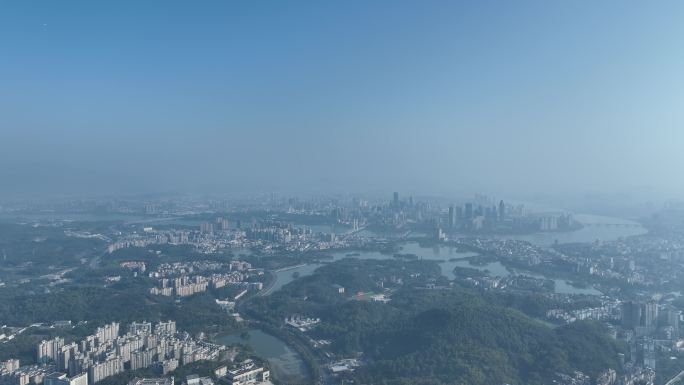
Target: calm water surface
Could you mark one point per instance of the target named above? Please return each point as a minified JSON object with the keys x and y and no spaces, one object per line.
{"x":286,"y":364}
{"x":494,"y":268}
{"x":595,"y":228}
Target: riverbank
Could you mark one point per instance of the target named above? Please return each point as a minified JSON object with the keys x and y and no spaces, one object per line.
{"x":288,"y":355}
{"x":290,"y":358}
{"x":290,"y":267}
{"x":287,"y":360}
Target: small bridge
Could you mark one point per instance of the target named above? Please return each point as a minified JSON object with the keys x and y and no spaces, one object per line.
{"x":599,"y":224}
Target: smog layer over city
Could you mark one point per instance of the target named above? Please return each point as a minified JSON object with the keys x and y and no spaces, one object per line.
{"x":341,"y":192}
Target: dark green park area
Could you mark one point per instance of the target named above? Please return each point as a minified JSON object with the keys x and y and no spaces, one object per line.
{"x":448,"y":335}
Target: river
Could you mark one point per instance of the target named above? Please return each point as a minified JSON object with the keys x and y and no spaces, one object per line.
{"x":286,"y":364}
{"x":595,"y":228}
{"x":284,"y":277}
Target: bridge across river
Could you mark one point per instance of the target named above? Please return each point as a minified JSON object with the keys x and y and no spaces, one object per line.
{"x":600,"y":224}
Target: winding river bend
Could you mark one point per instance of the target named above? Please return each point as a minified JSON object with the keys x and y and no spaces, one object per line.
{"x":286,"y":364}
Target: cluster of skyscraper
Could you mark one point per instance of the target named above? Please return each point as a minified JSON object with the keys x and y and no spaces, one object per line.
{"x":469,"y":216}
{"x":648,"y":325}
{"x":646,"y":318}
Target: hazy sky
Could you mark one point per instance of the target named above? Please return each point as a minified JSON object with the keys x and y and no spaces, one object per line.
{"x":420,"y":96}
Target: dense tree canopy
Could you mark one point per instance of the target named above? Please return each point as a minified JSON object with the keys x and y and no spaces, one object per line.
{"x":451,"y":335}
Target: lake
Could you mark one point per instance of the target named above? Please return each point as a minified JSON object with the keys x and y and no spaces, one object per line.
{"x":441,"y":253}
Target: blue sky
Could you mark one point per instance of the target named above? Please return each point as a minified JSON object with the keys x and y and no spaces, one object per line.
{"x":422,"y":96}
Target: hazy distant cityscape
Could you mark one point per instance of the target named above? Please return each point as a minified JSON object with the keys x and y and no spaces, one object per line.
{"x":231,"y":192}
{"x":231,"y":274}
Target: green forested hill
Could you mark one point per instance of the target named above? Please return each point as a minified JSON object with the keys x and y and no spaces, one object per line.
{"x":448,"y":336}
{"x":454,"y":337}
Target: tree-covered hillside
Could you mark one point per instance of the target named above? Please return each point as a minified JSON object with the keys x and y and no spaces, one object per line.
{"x":453,"y":337}
{"x":448,"y":335}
